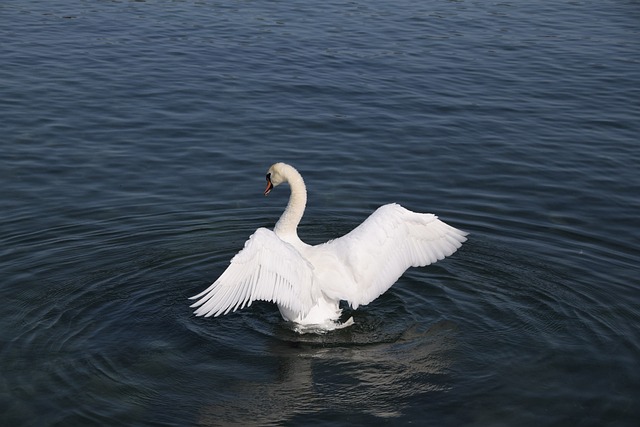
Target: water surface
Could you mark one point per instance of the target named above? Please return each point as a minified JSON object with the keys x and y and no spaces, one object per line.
{"x":136,"y":138}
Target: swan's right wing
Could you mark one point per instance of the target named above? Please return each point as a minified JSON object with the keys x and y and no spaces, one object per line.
{"x":267,"y":269}
{"x":391,"y":240}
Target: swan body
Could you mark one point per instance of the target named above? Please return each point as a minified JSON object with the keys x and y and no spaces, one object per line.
{"x":308,"y":282}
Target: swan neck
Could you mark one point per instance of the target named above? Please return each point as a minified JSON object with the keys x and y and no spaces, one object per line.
{"x":288,"y":222}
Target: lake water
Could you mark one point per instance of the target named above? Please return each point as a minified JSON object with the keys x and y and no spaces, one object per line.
{"x":136,"y":136}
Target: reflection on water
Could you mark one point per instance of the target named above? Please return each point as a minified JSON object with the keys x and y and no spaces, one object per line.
{"x":377,"y":379}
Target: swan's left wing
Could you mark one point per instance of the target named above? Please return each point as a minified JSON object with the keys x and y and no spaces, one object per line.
{"x":392,"y":239}
{"x":267,"y":269}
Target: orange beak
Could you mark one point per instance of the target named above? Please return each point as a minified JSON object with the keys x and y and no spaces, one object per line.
{"x":269,"y":187}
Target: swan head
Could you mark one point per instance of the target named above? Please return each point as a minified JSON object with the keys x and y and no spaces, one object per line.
{"x":276,"y":175}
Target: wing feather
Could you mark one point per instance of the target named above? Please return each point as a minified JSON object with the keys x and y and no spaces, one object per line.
{"x":386,"y":244}
{"x":267,"y":269}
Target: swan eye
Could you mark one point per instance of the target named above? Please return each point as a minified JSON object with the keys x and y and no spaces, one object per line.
{"x":269,"y":177}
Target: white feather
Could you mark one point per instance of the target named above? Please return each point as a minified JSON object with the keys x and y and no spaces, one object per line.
{"x":380,"y":250}
{"x":253,"y":275}
{"x":308,"y":282}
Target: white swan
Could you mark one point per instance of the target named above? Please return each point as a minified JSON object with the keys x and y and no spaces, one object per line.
{"x":308,"y":282}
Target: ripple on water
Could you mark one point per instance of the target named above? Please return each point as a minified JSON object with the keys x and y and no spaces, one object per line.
{"x":387,"y":358}
{"x":121,"y":332}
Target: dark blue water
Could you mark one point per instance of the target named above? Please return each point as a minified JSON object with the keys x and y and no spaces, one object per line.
{"x":136,"y":136}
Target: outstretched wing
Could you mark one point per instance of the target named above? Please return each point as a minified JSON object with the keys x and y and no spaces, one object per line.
{"x":267,"y":269}
{"x":392,"y":239}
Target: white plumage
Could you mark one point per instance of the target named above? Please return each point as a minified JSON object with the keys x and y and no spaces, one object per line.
{"x":308,"y":282}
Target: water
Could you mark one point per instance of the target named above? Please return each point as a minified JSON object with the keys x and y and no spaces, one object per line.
{"x":136,"y":135}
